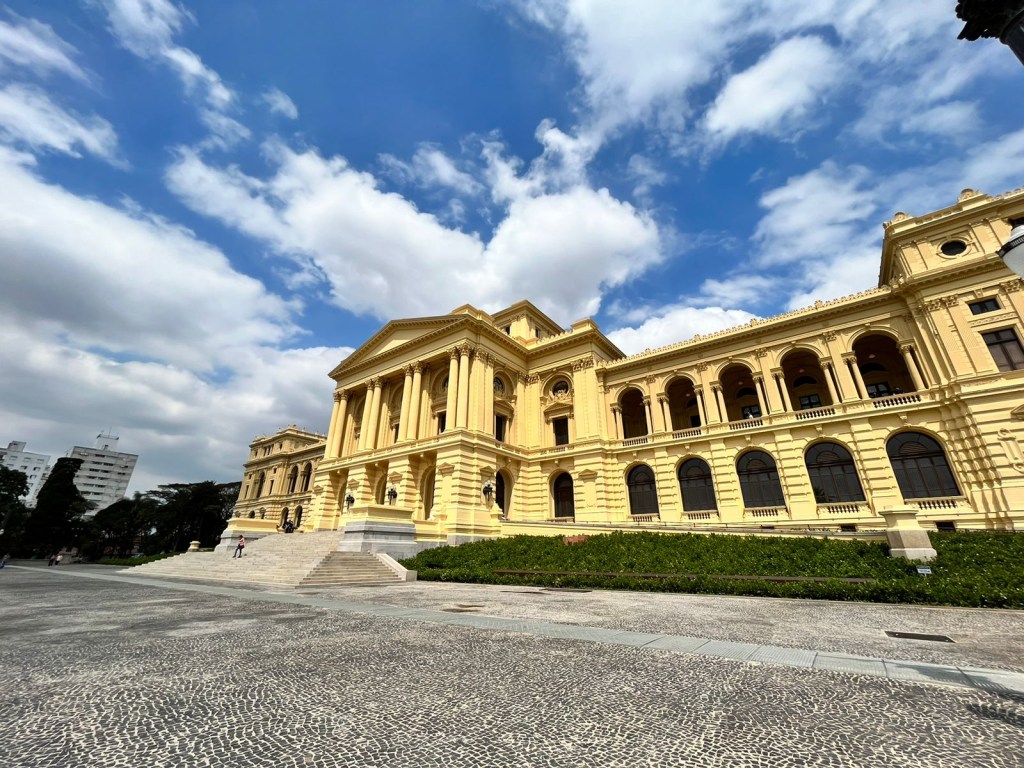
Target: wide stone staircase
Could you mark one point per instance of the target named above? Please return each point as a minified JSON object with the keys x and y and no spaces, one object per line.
{"x":280,"y":560}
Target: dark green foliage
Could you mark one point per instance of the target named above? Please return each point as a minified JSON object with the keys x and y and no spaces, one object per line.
{"x":56,"y":521}
{"x":188,"y":512}
{"x":973,"y":569}
{"x":117,"y":530}
{"x":13,"y":513}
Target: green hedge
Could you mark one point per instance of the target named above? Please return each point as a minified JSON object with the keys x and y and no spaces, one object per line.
{"x":980,"y":569}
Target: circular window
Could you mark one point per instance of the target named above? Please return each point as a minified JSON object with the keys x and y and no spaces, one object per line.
{"x":560,"y":388}
{"x":953,"y":247}
{"x":499,"y":386}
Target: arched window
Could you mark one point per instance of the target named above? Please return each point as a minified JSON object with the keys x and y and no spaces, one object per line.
{"x":561,"y":388}
{"x":696,"y":486}
{"x":501,"y":493}
{"x":284,"y":516}
{"x":920,"y":466}
{"x":293,"y":478}
{"x":833,"y":474}
{"x":643,"y":492}
{"x":259,"y":485}
{"x":565,"y":504}
{"x":307,"y":472}
{"x":759,"y":480}
{"x":298,"y":517}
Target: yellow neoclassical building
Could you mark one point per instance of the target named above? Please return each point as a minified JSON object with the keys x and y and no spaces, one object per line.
{"x":469,"y":425}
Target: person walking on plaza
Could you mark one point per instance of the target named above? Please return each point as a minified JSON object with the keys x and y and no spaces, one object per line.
{"x":240,"y":549}
{"x":4,"y":559}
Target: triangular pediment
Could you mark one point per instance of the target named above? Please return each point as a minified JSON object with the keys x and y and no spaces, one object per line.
{"x":396,"y":334}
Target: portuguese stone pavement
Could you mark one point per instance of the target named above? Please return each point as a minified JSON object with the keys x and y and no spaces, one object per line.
{"x":98,"y":668}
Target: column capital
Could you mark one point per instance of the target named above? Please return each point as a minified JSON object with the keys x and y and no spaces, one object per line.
{"x":647,"y":399}
{"x":410,"y":369}
{"x":825,"y":363}
{"x":716,"y":386}
{"x":454,"y":353}
{"x":757,"y":377}
{"x":419,"y":367}
{"x":340,"y":394}
{"x":616,"y":408}
{"x":906,"y":347}
{"x":849,"y":357}
{"x":375,"y":383}
{"x":778,"y":373}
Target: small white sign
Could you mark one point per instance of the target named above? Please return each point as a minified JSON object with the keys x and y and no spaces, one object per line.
{"x":924,"y":570}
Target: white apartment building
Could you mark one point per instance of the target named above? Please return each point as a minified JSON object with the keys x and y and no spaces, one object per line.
{"x":33,"y":465}
{"x":105,"y":472}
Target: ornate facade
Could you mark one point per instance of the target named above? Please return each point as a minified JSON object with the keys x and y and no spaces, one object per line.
{"x":472,"y":424}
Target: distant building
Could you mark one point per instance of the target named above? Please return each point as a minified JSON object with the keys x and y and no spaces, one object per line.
{"x":105,"y":472}
{"x":33,"y":465}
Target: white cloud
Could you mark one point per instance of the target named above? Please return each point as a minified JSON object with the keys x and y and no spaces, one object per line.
{"x":676,"y":323}
{"x":28,"y":117}
{"x":431,"y":167}
{"x":280,"y":103}
{"x":383,"y":257}
{"x":814,"y":215}
{"x":773,"y":94}
{"x":185,"y":428}
{"x":646,"y":174}
{"x":35,"y":46}
{"x":147,"y":28}
{"x":128,"y":283}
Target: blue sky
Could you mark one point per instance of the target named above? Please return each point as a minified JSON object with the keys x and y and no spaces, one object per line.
{"x":205,"y":206}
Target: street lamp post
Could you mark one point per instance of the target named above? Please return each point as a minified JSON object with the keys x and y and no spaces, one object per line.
{"x":1001,"y":19}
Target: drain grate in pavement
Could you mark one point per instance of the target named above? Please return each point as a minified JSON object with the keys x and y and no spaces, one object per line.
{"x":919,"y":636}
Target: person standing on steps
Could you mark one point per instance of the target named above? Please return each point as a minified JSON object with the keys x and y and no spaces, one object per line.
{"x":240,"y":548}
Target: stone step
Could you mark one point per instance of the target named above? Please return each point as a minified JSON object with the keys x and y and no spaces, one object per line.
{"x":285,"y":560}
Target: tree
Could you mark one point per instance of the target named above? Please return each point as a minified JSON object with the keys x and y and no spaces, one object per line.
{"x":191,"y":512}
{"x":116,"y":529}
{"x":56,"y":520}
{"x":13,"y":485}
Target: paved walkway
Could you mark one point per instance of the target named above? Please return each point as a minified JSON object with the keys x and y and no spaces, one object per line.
{"x":465,"y":614}
{"x":103,"y":668}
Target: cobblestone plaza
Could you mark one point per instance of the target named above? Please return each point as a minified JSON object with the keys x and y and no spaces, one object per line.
{"x":103,"y":669}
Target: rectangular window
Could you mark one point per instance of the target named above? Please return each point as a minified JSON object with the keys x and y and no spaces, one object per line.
{"x":983,"y":306}
{"x":945,"y":526}
{"x":561,"y":427}
{"x":1005,"y":348}
{"x":809,"y":401}
{"x":499,"y":428}
{"x":442,"y":418}
{"x":751,"y":411}
{"x":881,"y":389}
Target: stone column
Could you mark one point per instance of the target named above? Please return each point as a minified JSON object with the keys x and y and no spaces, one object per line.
{"x":647,"y":415}
{"x":780,"y":384}
{"x":371,"y":437}
{"x":364,"y":424}
{"x":488,"y":394}
{"x":665,"y":418}
{"x":403,"y":414}
{"x":915,"y":374}
{"x":851,"y":363}
{"x":462,"y":415}
{"x":617,"y":417}
{"x":759,"y":390}
{"x":702,"y":407}
{"x":826,"y":369}
{"x":413,"y":432}
{"x":453,"y":387}
{"x":723,"y":414}
{"x":339,"y":433}
{"x":332,"y":430}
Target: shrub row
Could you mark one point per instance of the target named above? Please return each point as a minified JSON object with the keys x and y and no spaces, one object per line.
{"x":972,"y":569}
